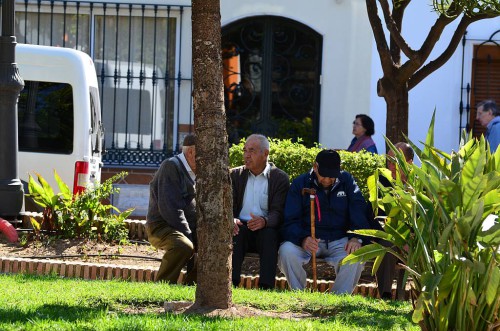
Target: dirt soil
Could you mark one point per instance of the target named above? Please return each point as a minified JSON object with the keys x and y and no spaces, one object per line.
{"x":134,"y":254}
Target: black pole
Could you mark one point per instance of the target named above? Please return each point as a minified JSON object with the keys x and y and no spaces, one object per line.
{"x":11,"y":84}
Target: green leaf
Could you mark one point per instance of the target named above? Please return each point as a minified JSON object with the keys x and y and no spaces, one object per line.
{"x":365,"y":253}
{"x":492,"y":287}
{"x":46,"y":187}
{"x":471,"y":295}
{"x":449,"y":281}
{"x":373,"y":233}
{"x":419,"y":311}
{"x":34,"y":223}
{"x":472,"y":189}
{"x":430,"y":282}
{"x":450,"y":193}
{"x":36,"y":192}
{"x":490,"y":237}
{"x":62,"y":186}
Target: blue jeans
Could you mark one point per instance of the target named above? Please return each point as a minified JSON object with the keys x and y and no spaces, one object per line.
{"x":292,"y":258}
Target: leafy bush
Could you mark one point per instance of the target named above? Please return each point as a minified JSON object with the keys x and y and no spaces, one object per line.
{"x":294,"y":158}
{"x":436,"y":221}
{"x":84,"y":215}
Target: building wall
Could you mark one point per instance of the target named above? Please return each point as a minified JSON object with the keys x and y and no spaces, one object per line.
{"x":441,"y":90}
{"x":346,"y":65}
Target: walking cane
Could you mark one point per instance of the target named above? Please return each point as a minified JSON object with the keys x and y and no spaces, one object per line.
{"x":312,"y":193}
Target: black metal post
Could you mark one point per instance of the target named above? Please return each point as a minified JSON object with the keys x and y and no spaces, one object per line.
{"x":11,"y":84}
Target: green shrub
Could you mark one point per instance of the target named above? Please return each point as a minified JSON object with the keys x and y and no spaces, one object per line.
{"x":81,"y":216}
{"x":294,"y":158}
{"x":436,"y":222}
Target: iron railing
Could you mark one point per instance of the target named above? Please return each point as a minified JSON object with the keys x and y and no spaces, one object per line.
{"x":137,"y":50}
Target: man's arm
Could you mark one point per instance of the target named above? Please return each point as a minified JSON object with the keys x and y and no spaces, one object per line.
{"x":494,"y":136}
{"x":292,"y":229}
{"x":357,"y":208}
{"x":171,"y":205}
{"x":280,"y":183}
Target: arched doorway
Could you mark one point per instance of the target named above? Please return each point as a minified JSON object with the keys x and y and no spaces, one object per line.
{"x":272,"y":70}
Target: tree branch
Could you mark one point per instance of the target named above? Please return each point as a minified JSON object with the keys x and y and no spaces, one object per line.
{"x":394,"y":28}
{"x":432,"y":66}
{"x":378,"y":34}
{"x":412,"y":65}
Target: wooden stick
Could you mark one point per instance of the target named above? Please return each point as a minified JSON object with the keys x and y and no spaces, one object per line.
{"x":313,"y":235}
{"x":312,"y":194}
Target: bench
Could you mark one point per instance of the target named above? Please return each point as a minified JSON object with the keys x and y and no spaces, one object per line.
{"x":399,"y":292}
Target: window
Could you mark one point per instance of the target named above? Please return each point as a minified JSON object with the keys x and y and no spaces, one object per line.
{"x":272,"y":68}
{"x":485,"y":80}
{"x":45,"y":118}
{"x":135,"y":67}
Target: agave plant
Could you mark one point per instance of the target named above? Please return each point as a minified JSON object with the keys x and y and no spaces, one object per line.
{"x":437,"y":222}
{"x":82,"y":215}
{"x":53,"y":204}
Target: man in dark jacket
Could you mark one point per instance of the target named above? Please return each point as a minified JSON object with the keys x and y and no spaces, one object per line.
{"x":171,"y":218}
{"x":259,"y":192}
{"x":340,"y":207}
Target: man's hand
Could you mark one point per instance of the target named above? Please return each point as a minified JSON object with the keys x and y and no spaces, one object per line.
{"x":311,"y":245}
{"x":352,"y":245}
{"x":236,"y":228}
{"x":256,"y":223}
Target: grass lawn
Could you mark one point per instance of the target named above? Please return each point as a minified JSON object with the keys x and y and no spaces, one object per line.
{"x":51,"y":303}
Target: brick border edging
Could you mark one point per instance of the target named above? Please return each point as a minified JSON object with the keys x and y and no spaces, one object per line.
{"x":75,"y":269}
{"x":96,"y":271}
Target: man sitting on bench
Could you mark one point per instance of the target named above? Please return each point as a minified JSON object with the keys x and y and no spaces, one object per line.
{"x":339,"y":207}
{"x":259,"y":192}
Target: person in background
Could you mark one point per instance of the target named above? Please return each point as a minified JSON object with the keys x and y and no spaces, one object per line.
{"x":259,"y":193}
{"x":171,"y":218}
{"x":387,"y":269}
{"x":340,"y":207}
{"x":363,"y":129}
{"x":488,"y":115}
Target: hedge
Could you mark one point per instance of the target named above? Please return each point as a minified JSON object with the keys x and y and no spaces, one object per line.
{"x":295,"y":159}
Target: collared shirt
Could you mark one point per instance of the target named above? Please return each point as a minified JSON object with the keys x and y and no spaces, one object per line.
{"x":186,"y":165}
{"x":255,"y":199}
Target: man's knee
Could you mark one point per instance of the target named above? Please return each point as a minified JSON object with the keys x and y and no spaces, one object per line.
{"x":286,"y":250}
{"x":184,"y":245}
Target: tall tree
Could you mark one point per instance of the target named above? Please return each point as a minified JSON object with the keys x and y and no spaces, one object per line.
{"x":213,"y":189}
{"x":399,"y":78}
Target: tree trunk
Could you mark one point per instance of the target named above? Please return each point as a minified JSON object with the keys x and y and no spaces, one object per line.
{"x":396,"y":98}
{"x":213,"y":189}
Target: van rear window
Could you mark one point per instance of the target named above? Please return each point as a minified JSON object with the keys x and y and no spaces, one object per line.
{"x":45,"y":117}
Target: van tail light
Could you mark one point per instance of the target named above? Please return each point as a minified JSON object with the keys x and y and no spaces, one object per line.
{"x":82,"y":177}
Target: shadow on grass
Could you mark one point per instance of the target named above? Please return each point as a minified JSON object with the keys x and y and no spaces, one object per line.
{"x":359,"y":317}
{"x":386,"y":315}
{"x":53,"y":312}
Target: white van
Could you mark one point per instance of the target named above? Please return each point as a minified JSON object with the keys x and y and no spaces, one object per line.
{"x":59,"y":116}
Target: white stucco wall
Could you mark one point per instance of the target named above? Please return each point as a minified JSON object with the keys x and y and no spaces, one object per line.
{"x":440,"y":90}
{"x":346,"y":66}
{"x":351,"y":66}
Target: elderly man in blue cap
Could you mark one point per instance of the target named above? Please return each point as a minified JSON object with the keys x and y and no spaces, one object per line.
{"x":339,"y":207}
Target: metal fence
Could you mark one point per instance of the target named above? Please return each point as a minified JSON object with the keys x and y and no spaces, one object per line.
{"x":137,"y":50}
